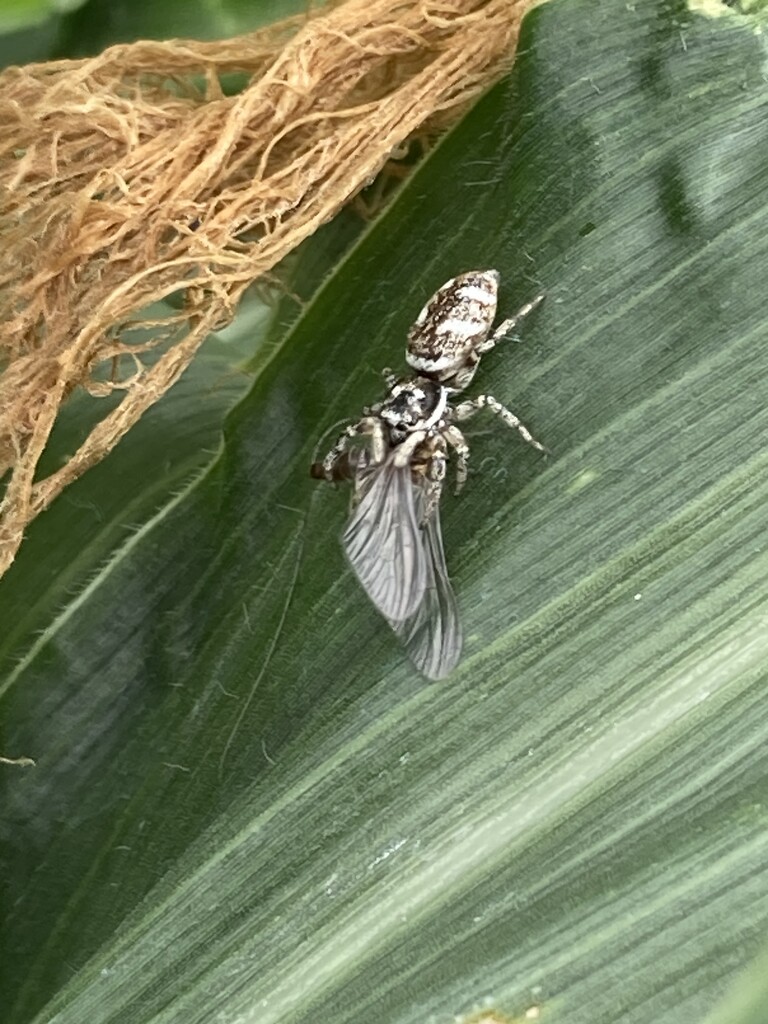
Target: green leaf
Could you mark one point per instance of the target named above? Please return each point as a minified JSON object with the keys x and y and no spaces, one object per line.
{"x":158,"y":459}
{"x":248,"y":807}
{"x":17,"y":15}
{"x":746,"y":1001}
{"x":100,"y":23}
{"x":36,"y":30}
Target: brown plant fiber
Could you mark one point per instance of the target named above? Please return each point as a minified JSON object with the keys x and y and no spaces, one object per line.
{"x":131,"y":177}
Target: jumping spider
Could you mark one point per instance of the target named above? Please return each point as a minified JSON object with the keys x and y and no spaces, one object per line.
{"x":393,"y":539}
{"x":417,"y":420}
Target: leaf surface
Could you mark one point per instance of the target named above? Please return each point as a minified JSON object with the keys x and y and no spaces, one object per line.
{"x":247,"y":806}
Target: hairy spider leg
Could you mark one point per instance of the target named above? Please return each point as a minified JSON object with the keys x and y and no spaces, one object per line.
{"x":458,"y":442}
{"x":508,"y":326}
{"x":435,"y":475}
{"x":404,"y":452}
{"x":368,"y":425}
{"x":469,"y":408}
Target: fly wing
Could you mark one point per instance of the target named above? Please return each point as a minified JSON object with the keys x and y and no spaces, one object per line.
{"x":383,"y":540}
{"x":432,"y":634}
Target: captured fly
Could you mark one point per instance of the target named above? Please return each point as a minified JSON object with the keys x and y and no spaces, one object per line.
{"x":397,"y":555}
{"x":393,"y":539}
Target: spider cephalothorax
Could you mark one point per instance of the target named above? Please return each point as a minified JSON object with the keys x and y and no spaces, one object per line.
{"x":412,"y":404}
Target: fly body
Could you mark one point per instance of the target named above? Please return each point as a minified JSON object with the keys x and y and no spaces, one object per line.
{"x":393,"y":539}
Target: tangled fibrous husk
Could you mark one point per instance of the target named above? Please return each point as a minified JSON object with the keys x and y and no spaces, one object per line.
{"x":130,"y":177}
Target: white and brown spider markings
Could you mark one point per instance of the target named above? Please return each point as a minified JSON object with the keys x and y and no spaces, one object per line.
{"x":393,"y":539}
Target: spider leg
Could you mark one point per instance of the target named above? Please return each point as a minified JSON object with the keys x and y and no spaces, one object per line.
{"x":508,"y":326}
{"x":369,"y":426}
{"x":458,"y":442}
{"x":469,"y":408}
{"x":435,"y":477}
{"x":404,"y":452}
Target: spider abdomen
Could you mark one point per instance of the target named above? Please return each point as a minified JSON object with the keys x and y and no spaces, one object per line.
{"x":455,"y":321}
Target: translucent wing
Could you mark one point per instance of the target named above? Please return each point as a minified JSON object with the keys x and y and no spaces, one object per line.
{"x":383,"y":540}
{"x":432,"y":634}
{"x":401,"y":564}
